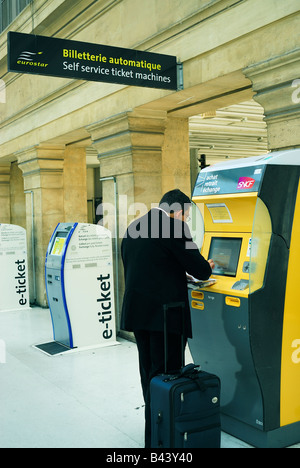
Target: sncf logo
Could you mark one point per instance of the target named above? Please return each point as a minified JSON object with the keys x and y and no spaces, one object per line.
{"x":245,"y":183}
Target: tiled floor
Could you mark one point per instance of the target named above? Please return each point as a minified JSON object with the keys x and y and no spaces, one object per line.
{"x":82,"y":399}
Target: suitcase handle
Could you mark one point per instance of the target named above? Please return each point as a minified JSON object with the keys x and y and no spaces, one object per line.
{"x":174,"y":305}
{"x":190,"y":369}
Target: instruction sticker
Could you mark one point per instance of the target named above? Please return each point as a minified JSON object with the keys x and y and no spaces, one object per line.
{"x":219,"y":213}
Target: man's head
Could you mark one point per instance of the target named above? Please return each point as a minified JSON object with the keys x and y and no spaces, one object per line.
{"x":176,"y":204}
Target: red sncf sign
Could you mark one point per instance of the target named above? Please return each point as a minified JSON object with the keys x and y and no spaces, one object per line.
{"x":245,"y":183}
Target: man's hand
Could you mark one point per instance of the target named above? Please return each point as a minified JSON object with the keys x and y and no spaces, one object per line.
{"x":212,"y":264}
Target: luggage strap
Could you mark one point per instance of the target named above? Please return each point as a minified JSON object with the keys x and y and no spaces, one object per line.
{"x":191,"y":371}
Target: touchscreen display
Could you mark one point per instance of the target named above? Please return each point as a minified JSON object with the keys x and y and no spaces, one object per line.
{"x":225,"y":252}
{"x":58,"y":244}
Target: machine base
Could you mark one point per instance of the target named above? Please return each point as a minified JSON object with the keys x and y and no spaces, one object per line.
{"x":53,"y":348}
{"x":279,"y":438}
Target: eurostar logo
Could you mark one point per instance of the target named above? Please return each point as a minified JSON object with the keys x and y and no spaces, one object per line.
{"x":29,"y":56}
{"x":31,"y":59}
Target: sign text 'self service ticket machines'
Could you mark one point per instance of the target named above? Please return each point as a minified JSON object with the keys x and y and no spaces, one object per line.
{"x":80,"y":286}
{"x":246,"y":326}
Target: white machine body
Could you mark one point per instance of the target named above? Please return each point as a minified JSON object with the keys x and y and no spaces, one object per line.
{"x":80,"y":285}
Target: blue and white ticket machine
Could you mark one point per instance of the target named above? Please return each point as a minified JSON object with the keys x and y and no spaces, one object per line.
{"x":80,"y":286}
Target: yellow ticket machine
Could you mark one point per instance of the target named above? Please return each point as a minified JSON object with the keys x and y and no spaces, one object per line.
{"x":246,"y":326}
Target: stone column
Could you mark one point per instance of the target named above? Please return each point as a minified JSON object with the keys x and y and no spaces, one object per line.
{"x":42,"y":168}
{"x":75,"y":185}
{"x":17,"y":196}
{"x":176,"y":156}
{"x":277,"y":86}
{"x":129,"y":147}
{"x":5,"y":194}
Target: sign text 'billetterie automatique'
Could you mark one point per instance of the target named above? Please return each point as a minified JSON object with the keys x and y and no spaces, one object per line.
{"x":92,"y":62}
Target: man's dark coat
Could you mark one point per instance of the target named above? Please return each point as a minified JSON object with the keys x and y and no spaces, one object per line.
{"x":157,"y":252}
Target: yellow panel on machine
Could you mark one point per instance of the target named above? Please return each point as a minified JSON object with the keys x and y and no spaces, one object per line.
{"x":290,"y":374}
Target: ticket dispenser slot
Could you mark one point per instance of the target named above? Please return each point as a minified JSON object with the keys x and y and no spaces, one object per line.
{"x":233,"y":301}
{"x":198,"y":305}
{"x":197,"y":295}
{"x":244,"y":329}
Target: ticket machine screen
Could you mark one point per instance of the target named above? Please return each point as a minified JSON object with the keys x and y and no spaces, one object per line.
{"x":58,"y":244}
{"x":225,"y":252}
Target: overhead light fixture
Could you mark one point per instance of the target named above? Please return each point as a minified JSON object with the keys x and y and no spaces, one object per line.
{"x":208,"y":115}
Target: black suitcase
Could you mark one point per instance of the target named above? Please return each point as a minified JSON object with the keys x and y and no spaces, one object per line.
{"x":185,"y":406}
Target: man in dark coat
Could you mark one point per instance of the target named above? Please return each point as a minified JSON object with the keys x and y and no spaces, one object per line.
{"x":158,"y":253}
